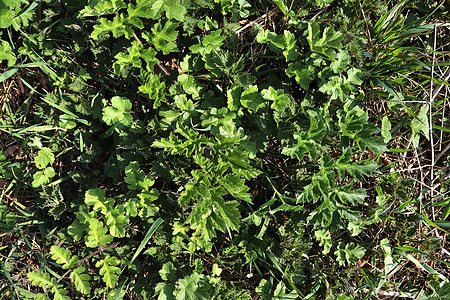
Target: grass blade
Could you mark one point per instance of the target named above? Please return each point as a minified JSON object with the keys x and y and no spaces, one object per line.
{"x":147,"y":237}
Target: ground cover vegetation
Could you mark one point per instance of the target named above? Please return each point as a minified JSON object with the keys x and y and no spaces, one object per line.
{"x":197,"y":149}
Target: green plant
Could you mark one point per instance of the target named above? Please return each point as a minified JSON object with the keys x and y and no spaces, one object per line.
{"x":241,"y":152}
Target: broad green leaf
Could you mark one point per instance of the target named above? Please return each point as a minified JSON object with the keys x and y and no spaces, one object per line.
{"x":192,"y":87}
{"x":420,"y":124}
{"x":81,"y":280}
{"x":353,"y":197}
{"x":44,"y":157}
{"x":209,"y":43}
{"x":104,"y":7}
{"x":133,"y":57}
{"x":13,"y":3}
{"x":230,"y":213}
{"x":285,"y":43}
{"x":386,"y":129}
{"x":59,"y":293}
{"x":121,"y":103}
{"x":374,"y":143}
{"x":290,"y":50}
{"x":354,"y":76}
{"x":329,"y":39}
{"x":155,"y":89}
{"x":63,"y":256}
{"x":324,"y":238}
{"x":96,"y":197}
{"x":108,"y":270}
{"x":172,"y":8}
{"x":302,"y":74}
{"x":355,"y":228}
{"x":168,"y":272}
{"x":41,"y":178}
{"x":251,"y":98}
{"x":357,"y":169}
{"x":118,"y":112}
{"x":191,"y":288}
{"x":149,"y":56}
{"x":236,"y":187}
{"x":116,"y":220}
{"x":163,"y":37}
{"x":348,"y":253}
{"x":264,"y":290}
{"x":165,"y":290}
{"x":341,"y":61}
{"x":40,"y":279}
{"x":76,"y":230}
{"x":117,"y":26}
{"x":335,"y":88}
{"x":280,"y":99}
{"x":135,"y":178}
{"x":388,"y":259}
{"x":97,"y":235}
{"x":6,"y":53}
{"x":6,"y":17}
{"x":140,"y":10}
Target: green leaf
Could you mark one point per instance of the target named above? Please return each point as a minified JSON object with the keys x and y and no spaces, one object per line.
{"x":341,"y":62}
{"x":154,"y":88}
{"x":354,"y":76}
{"x":279,"y":98}
{"x":357,"y":169}
{"x":108,"y":270}
{"x":44,"y":157}
{"x":40,"y":279}
{"x":329,"y":39}
{"x":251,"y":99}
{"x":302,"y":74}
{"x":209,"y":43}
{"x":374,"y":143}
{"x":41,"y":178}
{"x":6,"y":17}
{"x":132,"y":58}
{"x":191,"y":288}
{"x":168,"y":272}
{"x":6,"y":53}
{"x":278,"y":43}
{"x":76,"y":230}
{"x":149,"y":56}
{"x":230,"y":213}
{"x":264,"y":290}
{"x":13,"y":3}
{"x":335,"y":88}
{"x":165,"y":290}
{"x":96,"y":197}
{"x":63,"y":256}
{"x":324,"y":238}
{"x":172,"y":8}
{"x":163,"y":37}
{"x":420,"y":124}
{"x":353,"y":197}
{"x":116,"y":220}
{"x":386,"y":129}
{"x":59,"y":293}
{"x":236,"y":187}
{"x":118,"y":111}
{"x":97,"y":235}
{"x":136,"y":178}
{"x":349,"y":252}
{"x":81,"y":280}
{"x":117,"y":26}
